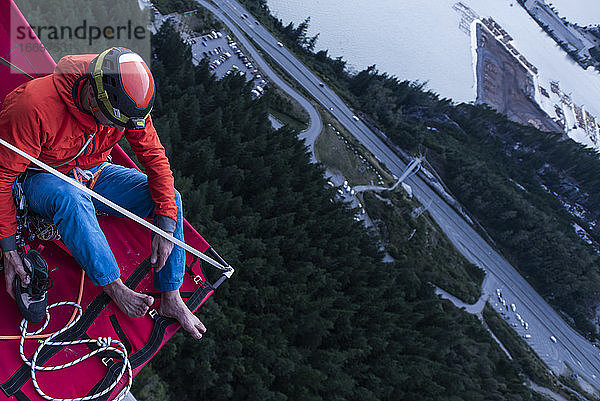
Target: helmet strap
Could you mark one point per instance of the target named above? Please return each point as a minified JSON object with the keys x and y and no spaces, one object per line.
{"x":78,"y":91}
{"x":95,"y":75}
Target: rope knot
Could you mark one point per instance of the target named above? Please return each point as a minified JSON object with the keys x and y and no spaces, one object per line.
{"x":104,"y":342}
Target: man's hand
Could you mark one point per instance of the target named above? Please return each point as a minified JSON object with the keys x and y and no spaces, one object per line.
{"x":13,"y":264}
{"x":161,"y":249}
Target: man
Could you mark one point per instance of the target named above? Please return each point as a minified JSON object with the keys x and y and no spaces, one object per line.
{"x":71,"y":120}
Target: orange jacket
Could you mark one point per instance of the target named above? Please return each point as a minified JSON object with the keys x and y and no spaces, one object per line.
{"x":41,"y":118}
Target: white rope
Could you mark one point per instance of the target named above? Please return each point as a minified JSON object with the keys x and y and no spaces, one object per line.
{"x":104,"y":344}
{"x":228,"y":270}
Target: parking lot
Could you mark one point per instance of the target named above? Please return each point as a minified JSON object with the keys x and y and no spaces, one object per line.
{"x":225,"y":57}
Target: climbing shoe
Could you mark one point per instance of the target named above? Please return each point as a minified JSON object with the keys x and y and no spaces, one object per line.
{"x":31,"y":300}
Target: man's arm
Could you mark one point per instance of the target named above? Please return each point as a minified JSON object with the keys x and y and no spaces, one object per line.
{"x":151,"y":154}
{"x":20,"y":126}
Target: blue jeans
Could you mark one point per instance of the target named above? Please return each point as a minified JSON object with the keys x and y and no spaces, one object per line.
{"x":74,"y":214}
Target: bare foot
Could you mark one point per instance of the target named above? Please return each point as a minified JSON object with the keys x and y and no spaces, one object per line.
{"x":171,"y":305}
{"x":132,"y":303}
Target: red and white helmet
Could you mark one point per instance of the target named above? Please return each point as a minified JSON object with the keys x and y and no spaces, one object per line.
{"x":123,"y":86}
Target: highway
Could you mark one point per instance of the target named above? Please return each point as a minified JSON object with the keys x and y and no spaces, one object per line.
{"x":570,"y":348}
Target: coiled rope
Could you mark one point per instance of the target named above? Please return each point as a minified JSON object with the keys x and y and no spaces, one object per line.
{"x":103,"y":343}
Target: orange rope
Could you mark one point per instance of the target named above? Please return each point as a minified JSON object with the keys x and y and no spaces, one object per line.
{"x":41,"y":336}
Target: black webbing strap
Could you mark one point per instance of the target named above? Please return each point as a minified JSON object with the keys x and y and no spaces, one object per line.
{"x":120,"y":333}
{"x":20,"y":377}
{"x":20,"y":396}
{"x":184,"y":294}
{"x":151,"y":347}
{"x":107,"y":380}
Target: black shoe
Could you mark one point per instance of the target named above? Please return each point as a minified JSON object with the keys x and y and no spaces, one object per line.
{"x":31,"y":300}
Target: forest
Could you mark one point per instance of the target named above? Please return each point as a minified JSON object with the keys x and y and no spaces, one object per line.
{"x":312,"y":312}
{"x":508,"y":176}
{"x":482,"y":156}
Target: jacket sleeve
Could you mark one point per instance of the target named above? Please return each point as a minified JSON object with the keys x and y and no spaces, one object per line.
{"x":151,"y":154}
{"x":20,"y":126}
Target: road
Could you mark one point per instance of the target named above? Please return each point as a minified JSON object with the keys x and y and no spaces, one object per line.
{"x":544,"y":322}
{"x":316,"y":124}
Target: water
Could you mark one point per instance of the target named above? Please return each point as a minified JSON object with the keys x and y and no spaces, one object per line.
{"x":390,"y":34}
{"x":582,"y":12}
{"x":421,"y":41}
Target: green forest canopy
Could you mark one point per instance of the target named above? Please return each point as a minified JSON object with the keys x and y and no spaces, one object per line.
{"x":482,"y":156}
{"x":312,"y":313}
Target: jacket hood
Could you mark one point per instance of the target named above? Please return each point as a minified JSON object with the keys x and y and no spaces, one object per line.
{"x":68,"y":70}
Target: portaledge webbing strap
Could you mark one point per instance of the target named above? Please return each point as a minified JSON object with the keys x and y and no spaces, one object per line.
{"x":151,"y":347}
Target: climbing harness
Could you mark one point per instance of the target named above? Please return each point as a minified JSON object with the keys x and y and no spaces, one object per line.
{"x":86,"y":177}
{"x":30,"y":225}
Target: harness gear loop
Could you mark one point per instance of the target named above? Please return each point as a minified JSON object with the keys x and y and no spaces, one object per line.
{"x":83,"y":176}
